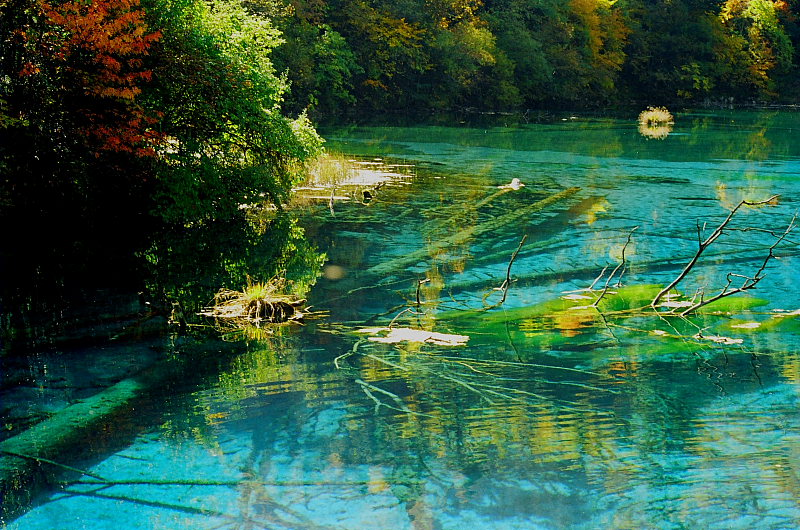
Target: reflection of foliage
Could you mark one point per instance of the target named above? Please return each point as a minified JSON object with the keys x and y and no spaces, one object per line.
{"x":330,"y":169}
{"x":335,"y":177}
{"x":190,"y":265}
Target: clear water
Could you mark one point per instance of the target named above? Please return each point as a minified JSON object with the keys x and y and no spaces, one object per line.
{"x":543,"y":420}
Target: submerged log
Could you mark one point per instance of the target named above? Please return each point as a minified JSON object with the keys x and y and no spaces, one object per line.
{"x":27,"y":460}
{"x":587,"y":273}
{"x":467,"y":234}
{"x":92,"y":428}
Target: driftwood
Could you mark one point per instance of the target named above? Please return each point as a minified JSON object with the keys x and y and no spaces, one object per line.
{"x":467,"y":234}
{"x":459,"y":210}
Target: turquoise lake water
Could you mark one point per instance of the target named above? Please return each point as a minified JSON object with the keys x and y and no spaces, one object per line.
{"x":542,"y":412}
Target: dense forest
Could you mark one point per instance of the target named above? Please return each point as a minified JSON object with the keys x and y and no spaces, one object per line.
{"x":125,"y":113}
{"x":511,"y":54}
{"x":120,"y":117}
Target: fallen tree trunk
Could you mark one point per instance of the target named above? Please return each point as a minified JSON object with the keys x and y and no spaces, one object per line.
{"x":589,"y":272}
{"x":556,"y":224}
{"x":91,"y":428}
{"x":27,"y":461}
{"x":467,"y":234}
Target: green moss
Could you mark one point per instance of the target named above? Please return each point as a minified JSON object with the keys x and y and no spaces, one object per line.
{"x":733,"y":304}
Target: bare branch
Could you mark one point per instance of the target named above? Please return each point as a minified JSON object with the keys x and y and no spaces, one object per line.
{"x":602,"y":272}
{"x":748,"y":282}
{"x":420,"y":283}
{"x":507,"y":282}
{"x":705,"y":244}
{"x":618,"y":267}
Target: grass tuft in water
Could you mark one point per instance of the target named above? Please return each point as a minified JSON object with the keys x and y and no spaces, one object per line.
{"x":259,"y":303}
{"x":656,"y":123}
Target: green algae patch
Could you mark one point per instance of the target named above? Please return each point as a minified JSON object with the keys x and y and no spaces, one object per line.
{"x":580,"y":303}
{"x":613,"y":321}
{"x":628,"y":298}
{"x":733,"y":304}
{"x":777,"y":322}
{"x":789,"y":322}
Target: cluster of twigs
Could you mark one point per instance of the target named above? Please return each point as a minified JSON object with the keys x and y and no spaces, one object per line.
{"x":621,"y":268}
{"x":747,"y":282}
{"x":699,"y":300}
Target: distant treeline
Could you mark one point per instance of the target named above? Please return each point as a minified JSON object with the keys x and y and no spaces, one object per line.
{"x":511,"y":54}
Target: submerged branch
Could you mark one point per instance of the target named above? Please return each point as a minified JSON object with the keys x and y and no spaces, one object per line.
{"x":581,"y":274}
{"x":469,"y":233}
{"x":53,"y":463}
{"x":348,"y":354}
{"x":401,"y":406}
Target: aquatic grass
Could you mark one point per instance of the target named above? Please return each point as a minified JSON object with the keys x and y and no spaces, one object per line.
{"x":243,"y":313}
{"x":655,"y":123}
{"x":654,"y":116}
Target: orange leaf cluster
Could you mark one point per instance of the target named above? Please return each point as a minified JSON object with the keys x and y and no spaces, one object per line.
{"x":102,"y":44}
{"x":114,"y":34}
{"x":128,"y":132}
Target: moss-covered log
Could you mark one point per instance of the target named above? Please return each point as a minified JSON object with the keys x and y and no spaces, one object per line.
{"x":24,"y":465}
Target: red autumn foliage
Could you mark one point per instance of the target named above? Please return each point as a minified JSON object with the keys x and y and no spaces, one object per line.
{"x":101,"y":45}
